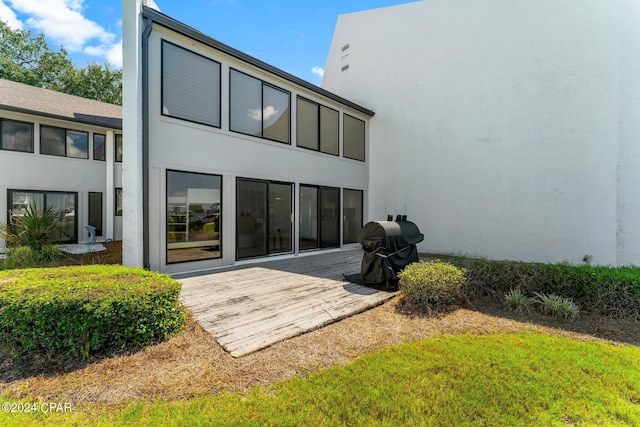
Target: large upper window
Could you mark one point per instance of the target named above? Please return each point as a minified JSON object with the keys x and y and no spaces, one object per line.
{"x":317,"y":127}
{"x":16,"y":136}
{"x":64,"y":206}
{"x":259,"y":109}
{"x":64,"y":142}
{"x":190,"y":86}
{"x":353,"y":138}
{"x":193,"y":216}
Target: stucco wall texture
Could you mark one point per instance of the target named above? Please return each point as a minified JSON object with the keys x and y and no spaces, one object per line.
{"x":506,"y":129}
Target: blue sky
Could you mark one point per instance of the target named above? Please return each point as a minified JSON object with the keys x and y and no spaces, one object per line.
{"x":293,"y":35}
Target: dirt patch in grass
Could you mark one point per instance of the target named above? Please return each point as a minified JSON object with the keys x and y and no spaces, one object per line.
{"x":193,"y":364}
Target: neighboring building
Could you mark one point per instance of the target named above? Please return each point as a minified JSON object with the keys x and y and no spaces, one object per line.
{"x":229,"y":159}
{"x":65,"y":152}
{"x":504,"y":129}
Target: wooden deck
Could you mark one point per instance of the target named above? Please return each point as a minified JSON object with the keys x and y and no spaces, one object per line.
{"x":252,"y":307}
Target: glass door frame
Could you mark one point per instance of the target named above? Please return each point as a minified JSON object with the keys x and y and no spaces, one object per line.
{"x":319,"y":188}
{"x":267,"y":234}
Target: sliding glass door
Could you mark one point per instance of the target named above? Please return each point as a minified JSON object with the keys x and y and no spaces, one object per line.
{"x":63,"y":205}
{"x":319,"y":217}
{"x":263,"y":218}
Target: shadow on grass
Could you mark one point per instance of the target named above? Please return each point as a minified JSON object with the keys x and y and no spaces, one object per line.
{"x":619,"y":330}
{"x":36,"y":364}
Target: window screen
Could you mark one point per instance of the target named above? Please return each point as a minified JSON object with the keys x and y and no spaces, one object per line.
{"x":190,"y":86}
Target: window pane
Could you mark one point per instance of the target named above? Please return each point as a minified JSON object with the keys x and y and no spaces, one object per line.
{"x":328,"y":130}
{"x":77,"y":144}
{"x":353,"y":138}
{"x":64,"y":206}
{"x":280,"y":212}
{"x":307,"y":124}
{"x":352,"y":212}
{"x":193,"y":216}
{"x":118,"y":195}
{"x":118,"y":148}
{"x":246,"y":104}
{"x":329,"y":217}
{"x":190,"y":86}
{"x":276,"y":114}
{"x":16,"y":136}
{"x":98,"y":146}
{"x":95,"y":212}
{"x":52,"y":141}
{"x":20,"y":200}
{"x":308,"y":217}
{"x":251,"y":219}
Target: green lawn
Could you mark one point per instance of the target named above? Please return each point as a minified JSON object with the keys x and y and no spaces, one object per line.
{"x":503,"y":379}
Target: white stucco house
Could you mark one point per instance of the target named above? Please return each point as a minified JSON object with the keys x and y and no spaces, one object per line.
{"x":65,"y":152}
{"x":229,"y":159}
{"x":503,"y":129}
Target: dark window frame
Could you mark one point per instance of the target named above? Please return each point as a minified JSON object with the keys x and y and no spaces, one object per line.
{"x":263,"y":84}
{"x":104,"y":150}
{"x":319,"y":117}
{"x":361,"y":213}
{"x":319,"y":189}
{"x":162,"y":53}
{"x":99,"y":231}
{"x":166,"y":198}
{"x":115,"y":201}
{"x":32,"y":125}
{"x":44,"y":200}
{"x":267,"y":231}
{"x":66,"y":151}
{"x":118,"y":159}
{"x":364,"y":142}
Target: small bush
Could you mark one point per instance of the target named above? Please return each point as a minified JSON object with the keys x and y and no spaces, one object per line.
{"x":27,"y":257}
{"x":557,"y":306}
{"x":86,"y":310}
{"x":517,"y":301}
{"x":431,"y":283}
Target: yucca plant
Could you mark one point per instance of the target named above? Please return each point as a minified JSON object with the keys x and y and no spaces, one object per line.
{"x":33,"y":228}
{"x":517,"y":301}
{"x":557,"y":306}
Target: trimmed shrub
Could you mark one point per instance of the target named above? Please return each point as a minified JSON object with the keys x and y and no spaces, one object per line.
{"x":431,"y":283}
{"x":85,"y":310}
{"x":610,"y":291}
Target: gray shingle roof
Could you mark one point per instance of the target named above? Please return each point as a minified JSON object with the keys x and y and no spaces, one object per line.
{"x":43,"y":102}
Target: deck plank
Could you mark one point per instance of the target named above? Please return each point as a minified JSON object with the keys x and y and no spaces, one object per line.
{"x":250,"y":307}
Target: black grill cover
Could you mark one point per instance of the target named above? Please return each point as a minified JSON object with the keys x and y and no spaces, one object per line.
{"x":388,"y":246}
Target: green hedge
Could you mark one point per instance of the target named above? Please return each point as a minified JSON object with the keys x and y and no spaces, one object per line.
{"x":84,"y":310}
{"x":431,"y":283}
{"x":611,"y":291}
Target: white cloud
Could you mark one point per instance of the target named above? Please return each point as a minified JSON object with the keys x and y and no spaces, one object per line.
{"x":7,"y":15}
{"x":63,"y":22}
{"x":265,"y":114}
{"x":114,"y":55}
{"x":319,"y":71}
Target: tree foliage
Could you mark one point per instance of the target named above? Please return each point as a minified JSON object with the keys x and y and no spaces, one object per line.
{"x":26,"y":58}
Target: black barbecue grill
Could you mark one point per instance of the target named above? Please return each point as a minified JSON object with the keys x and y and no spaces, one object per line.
{"x":388,"y":247}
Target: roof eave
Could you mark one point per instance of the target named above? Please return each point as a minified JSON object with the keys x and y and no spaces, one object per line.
{"x":110,"y":123}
